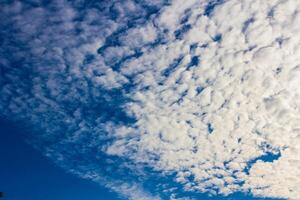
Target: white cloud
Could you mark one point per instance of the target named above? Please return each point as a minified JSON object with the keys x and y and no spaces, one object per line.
{"x":204,"y":121}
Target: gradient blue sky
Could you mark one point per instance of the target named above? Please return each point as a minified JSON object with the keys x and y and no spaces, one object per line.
{"x":26,"y":174}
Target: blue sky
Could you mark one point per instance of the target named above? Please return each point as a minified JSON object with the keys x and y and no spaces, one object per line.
{"x":151,"y":100}
{"x":28,"y":175}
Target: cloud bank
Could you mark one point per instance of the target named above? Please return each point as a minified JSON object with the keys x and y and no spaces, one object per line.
{"x":159,"y":99}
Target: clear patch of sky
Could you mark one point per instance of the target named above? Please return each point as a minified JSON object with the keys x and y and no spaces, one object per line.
{"x":26,"y":174}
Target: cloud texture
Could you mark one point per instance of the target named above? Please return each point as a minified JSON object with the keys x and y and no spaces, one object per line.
{"x":159,"y":99}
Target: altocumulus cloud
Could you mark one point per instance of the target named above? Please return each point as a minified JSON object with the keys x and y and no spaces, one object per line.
{"x":159,"y":99}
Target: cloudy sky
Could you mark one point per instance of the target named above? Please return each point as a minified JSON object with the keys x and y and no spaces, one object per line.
{"x":154,"y":99}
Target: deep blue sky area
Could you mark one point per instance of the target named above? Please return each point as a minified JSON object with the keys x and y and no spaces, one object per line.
{"x":26,"y":175}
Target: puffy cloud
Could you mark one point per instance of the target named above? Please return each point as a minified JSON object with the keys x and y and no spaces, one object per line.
{"x":203,"y":95}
